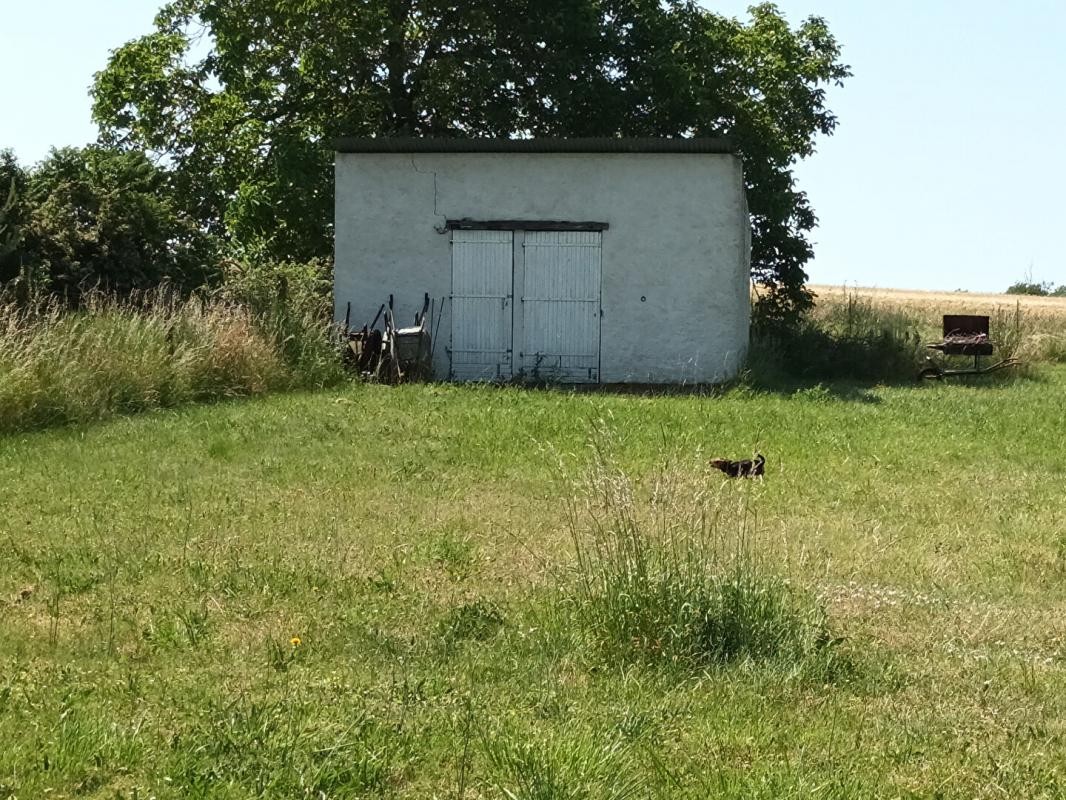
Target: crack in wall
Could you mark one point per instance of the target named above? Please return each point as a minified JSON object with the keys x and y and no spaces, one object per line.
{"x":443,"y":227}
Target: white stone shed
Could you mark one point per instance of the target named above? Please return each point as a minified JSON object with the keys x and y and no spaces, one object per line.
{"x":578,"y":261}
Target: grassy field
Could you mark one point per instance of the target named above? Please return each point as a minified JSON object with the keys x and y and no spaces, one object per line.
{"x":374,"y":592}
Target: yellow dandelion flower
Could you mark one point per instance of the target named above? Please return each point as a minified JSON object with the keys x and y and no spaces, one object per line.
{"x":295,"y":641}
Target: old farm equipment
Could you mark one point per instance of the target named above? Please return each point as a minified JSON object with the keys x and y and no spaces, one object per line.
{"x":392,"y":355}
{"x":965,"y":335}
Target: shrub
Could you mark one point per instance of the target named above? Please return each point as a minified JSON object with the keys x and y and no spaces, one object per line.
{"x":676,"y":573}
{"x":271,"y":286}
{"x":1030,"y":288}
{"x":107,"y":218}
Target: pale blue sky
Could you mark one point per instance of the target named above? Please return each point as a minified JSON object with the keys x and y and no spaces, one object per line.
{"x":947,"y":170}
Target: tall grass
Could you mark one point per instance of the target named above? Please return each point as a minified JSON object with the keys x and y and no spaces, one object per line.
{"x":293,"y":305}
{"x":677,"y":572}
{"x":851,"y":339}
{"x":1028,"y":334}
{"x":156,"y":350}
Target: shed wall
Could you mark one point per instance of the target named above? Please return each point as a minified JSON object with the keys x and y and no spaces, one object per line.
{"x":675,"y":259}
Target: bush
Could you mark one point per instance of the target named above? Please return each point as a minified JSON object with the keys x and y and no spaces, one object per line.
{"x":109,"y":219}
{"x":676,"y":574}
{"x":1030,"y":288}
{"x":280,"y":287}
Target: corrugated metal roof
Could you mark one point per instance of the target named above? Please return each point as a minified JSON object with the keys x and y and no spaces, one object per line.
{"x":390,"y":145}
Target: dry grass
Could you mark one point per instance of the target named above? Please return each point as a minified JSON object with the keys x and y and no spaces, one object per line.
{"x":114,"y":357}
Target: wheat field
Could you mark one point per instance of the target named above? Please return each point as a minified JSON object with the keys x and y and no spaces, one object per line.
{"x":945,"y":302}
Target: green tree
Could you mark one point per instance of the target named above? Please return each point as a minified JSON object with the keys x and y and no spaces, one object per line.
{"x":102,"y":217}
{"x":243,"y":96}
{"x":1030,"y":287}
{"x":12,"y":214}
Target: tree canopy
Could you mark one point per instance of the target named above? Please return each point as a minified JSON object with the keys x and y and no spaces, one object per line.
{"x":242,"y":97}
{"x":98,"y":217}
{"x":1037,"y":288}
{"x":12,"y":213}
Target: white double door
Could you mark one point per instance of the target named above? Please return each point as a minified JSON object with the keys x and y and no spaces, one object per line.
{"x":526,"y":304}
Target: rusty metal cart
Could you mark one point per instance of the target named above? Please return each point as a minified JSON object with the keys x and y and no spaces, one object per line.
{"x":964,"y":335}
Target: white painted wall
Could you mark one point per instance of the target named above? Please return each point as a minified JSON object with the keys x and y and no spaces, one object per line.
{"x":679,"y":236}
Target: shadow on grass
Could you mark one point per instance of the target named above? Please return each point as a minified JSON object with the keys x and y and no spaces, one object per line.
{"x":865,"y":390}
{"x":823,"y":367}
{"x":837,"y":390}
{"x":850,"y":362}
{"x":812,"y":387}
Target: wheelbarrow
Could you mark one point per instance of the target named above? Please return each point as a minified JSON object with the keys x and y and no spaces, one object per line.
{"x":964,"y":335}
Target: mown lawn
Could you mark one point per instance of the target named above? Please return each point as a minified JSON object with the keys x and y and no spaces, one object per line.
{"x":366,"y":592}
